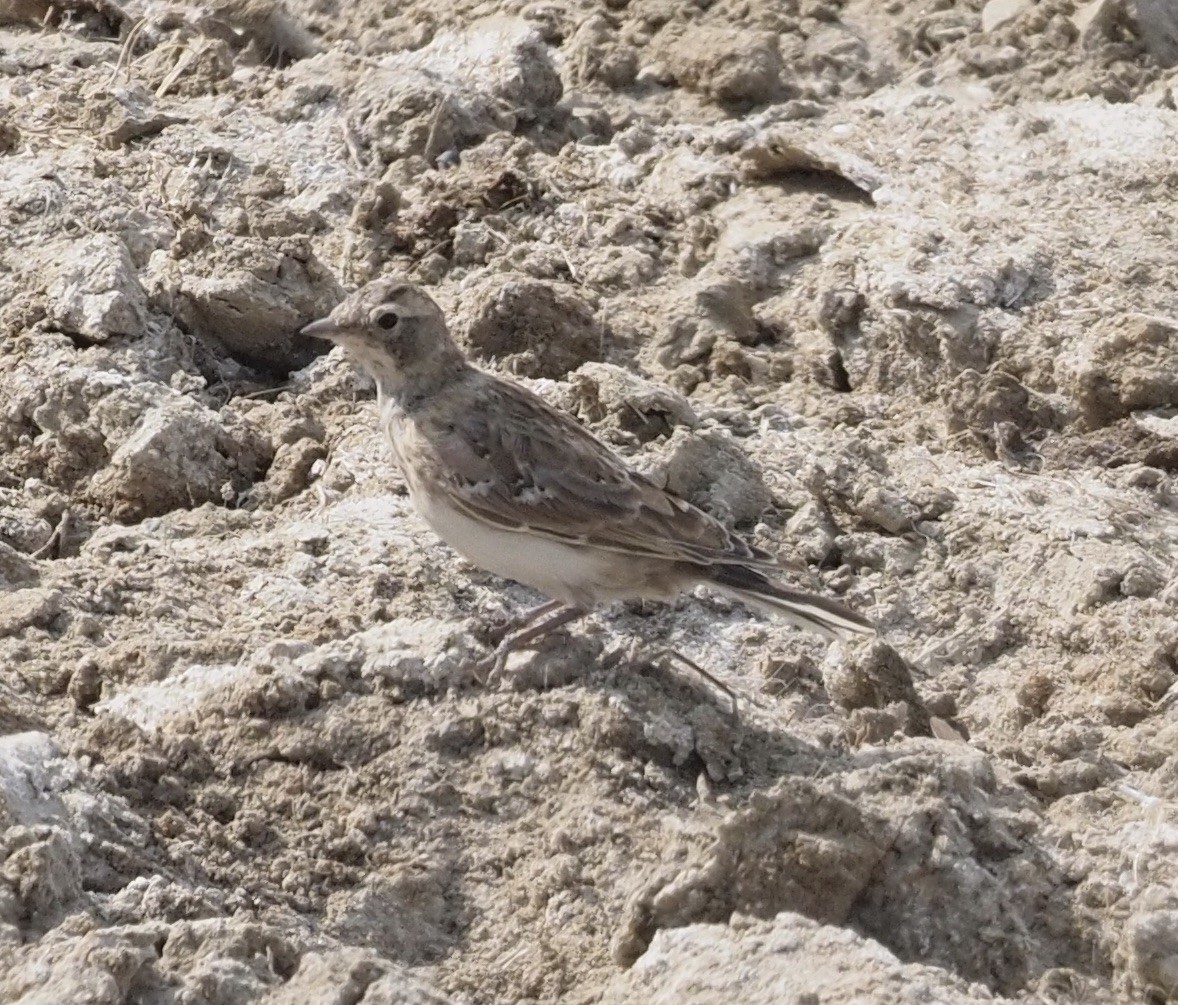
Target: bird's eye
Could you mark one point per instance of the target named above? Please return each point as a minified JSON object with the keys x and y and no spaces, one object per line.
{"x":387,"y":320}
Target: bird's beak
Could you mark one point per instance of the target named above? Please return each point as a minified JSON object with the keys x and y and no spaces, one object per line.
{"x":324,"y":328}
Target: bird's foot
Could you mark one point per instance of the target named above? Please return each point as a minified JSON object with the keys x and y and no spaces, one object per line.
{"x":486,"y":670}
{"x":490,"y":667}
{"x":496,"y":632}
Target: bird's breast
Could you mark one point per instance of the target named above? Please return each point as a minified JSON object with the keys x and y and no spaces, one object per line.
{"x":573,"y":573}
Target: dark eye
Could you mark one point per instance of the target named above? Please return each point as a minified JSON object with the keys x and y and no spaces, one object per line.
{"x":387,"y":320}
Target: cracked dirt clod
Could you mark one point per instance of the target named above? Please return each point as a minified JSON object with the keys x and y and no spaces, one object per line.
{"x":34,"y":606}
{"x":457,"y":90}
{"x":733,"y":67}
{"x":771,"y":958}
{"x":94,"y":291}
{"x":253,"y":307}
{"x":532,"y":328}
{"x":180,"y":455}
{"x":1127,"y":369}
{"x":711,"y":470}
{"x":875,"y":676}
{"x":607,"y":396}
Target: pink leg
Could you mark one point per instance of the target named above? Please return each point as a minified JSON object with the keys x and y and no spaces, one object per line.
{"x":564,"y":615}
{"x":524,"y":619}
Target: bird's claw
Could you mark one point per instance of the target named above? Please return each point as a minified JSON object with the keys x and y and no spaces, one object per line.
{"x":486,"y":670}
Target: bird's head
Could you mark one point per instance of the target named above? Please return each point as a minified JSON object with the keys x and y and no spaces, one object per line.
{"x":396,"y":332}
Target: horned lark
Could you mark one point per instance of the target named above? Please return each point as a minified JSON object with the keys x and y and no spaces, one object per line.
{"x":522,"y":490}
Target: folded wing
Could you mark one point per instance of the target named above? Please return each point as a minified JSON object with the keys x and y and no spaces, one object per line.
{"x":519,"y":464}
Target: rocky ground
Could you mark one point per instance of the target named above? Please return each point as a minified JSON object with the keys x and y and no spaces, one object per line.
{"x":890,"y":287}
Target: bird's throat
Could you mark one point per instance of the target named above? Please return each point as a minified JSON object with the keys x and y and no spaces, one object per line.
{"x":407,"y":390}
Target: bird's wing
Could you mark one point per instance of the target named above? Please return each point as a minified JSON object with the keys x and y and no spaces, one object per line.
{"x":511,"y":460}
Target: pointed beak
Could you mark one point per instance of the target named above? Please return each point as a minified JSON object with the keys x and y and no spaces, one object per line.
{"x":325,"y":329}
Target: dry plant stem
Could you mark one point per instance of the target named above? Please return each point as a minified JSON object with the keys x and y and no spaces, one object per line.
{"x":674,"y":656}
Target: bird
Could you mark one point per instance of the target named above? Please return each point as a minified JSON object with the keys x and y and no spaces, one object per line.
{"x":521,"y":489}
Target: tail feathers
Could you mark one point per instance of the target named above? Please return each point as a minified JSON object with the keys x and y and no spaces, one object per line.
{"x":804,"y":610}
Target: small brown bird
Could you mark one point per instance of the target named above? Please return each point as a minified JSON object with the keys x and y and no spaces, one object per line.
{"x":522,"y":490}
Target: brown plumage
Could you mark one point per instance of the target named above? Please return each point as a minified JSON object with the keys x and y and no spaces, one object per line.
{"x":522,"y":490}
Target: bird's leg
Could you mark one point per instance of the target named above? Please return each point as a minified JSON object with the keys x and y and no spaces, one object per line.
{"x":514,"y":624}
{"x":670,"y":655}
{"x":494,"y":664}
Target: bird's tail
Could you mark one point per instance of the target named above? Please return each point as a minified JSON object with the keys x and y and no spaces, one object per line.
{"x":805,"y":610}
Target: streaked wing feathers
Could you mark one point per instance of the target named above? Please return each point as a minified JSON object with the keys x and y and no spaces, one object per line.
{"x":514,"y":461}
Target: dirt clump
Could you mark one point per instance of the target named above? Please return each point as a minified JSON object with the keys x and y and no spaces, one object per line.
{"x":535,"y":329}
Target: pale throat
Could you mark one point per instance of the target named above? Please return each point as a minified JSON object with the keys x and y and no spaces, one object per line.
{"x":409,"y":387}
